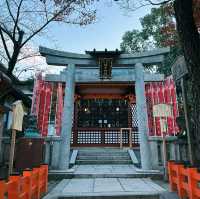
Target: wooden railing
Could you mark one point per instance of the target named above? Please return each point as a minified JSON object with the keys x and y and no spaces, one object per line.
{"x":103,"y":137}
{"x":33,"y":184}
{"x":184,"y":180}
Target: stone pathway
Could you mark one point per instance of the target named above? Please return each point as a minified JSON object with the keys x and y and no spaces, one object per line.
{"x":108,"y":181}
{"x":104,"y":169}
{"x":102,"y":187}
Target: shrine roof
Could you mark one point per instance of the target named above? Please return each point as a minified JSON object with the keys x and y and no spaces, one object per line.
{"x":105,"y":53}
{"x":61,"y":58}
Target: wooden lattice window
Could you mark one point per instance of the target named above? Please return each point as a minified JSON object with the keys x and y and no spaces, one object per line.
{"x":103,"y":113}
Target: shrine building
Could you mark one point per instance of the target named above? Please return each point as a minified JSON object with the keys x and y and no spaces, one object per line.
{"x":103,"y":99}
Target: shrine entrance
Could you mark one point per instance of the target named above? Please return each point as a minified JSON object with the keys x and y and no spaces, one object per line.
{"x":105,"y":85}
{"x":100,"y":112}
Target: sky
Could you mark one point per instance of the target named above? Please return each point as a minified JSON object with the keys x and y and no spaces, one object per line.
{"x":112,"y":22}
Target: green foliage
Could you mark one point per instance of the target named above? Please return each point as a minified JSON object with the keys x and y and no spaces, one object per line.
{"x":158,"y":31}
{"x":133,"y":41}
{"x":152,"y":25}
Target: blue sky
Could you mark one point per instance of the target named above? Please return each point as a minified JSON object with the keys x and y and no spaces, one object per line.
{"x":106,"y":32}
{"x":112,"y":22}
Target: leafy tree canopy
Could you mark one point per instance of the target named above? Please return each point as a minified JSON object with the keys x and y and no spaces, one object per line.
{"x":158,"y":31}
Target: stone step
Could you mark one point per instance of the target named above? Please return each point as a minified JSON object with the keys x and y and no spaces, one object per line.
{"x":103,"y":157}
{"x":154,"y":176}
{"x":102,"y":149}
{"x":106,"y":188}
{"x":102,"y":153}
{"x":57,"y":176}
{"x":103,"y":162}
{"x":136,"y":196}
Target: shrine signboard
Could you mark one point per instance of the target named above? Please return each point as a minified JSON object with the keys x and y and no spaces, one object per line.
{"x":179,"y":71}
{"x":105,"y":68}
{"x":179,"y":68}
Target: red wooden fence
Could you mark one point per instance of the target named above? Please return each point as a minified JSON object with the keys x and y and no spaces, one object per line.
{"x":184,"y":180}
{"x":31,"y":185}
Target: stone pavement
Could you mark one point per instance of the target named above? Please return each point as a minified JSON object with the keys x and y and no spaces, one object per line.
{"x":106,"y":187}
{"x":109,"y":182}
{"x":104,"y":169}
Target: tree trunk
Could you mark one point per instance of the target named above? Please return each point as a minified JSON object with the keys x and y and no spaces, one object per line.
{"x":16,"y":50}
{"x":190,"y":40}
{"x":12,"y":62}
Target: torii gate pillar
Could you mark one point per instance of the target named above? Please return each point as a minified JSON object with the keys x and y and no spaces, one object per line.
{"x":142,"y":117}
{"x":67,"y":118}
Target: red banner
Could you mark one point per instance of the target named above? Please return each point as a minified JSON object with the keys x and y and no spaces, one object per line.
{"x":162,"y":93}
{"x":156,"y":93}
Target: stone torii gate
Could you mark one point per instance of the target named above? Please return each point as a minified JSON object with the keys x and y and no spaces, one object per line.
{"x":82,"y":68}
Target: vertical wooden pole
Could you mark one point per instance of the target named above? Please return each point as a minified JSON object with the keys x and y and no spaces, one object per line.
{"x":130,"y":137}
{"x":164,"y":156}
{"x":12,"y":152}
{"x":75,"y":123}
{"x":187,"y":121}
{"x":130,"y":116}
{"x":121,"y":138}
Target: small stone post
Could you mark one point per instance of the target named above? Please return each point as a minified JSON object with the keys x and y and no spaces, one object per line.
{"x":142,"y":117}
{"x":67,"y":118}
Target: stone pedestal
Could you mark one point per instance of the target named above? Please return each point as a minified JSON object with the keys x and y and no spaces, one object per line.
{"x":52,"y":150}
{"x":156,"y":146}
{"x":154,"y":154}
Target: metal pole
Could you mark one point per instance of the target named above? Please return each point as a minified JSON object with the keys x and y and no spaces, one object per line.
{"x":187,"y":121}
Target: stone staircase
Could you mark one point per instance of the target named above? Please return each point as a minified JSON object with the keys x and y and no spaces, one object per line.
{"x":105,"y":173}
{"x":103,"y":156}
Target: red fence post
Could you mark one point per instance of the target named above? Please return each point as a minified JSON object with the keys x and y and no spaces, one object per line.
{"x":172,"y":185}
{"x":28,"y":185}
{"x":192,"y":181}
{"x":2,"y":189}
{"x":45,"y":176}
{"x":36,"y":182}
{"x":14,"y":187}
{"x":186,"y":180}
{"x":180,"y":180}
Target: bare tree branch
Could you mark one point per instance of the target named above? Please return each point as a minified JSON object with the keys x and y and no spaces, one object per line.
{"x":22,"y":20}
{"x":6,"y":31}
{"x":45,"y":24}
{"x":17,"y":19}
{"x":29,"y":56}
{"x":4,"y":43}
{"x":9,"y":10}
{"x":159,"y":3}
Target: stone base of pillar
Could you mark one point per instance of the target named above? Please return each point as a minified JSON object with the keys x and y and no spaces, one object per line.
{"x":52,"y":150}
{"x":154,"y":154}
{"x":156,"y":146}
